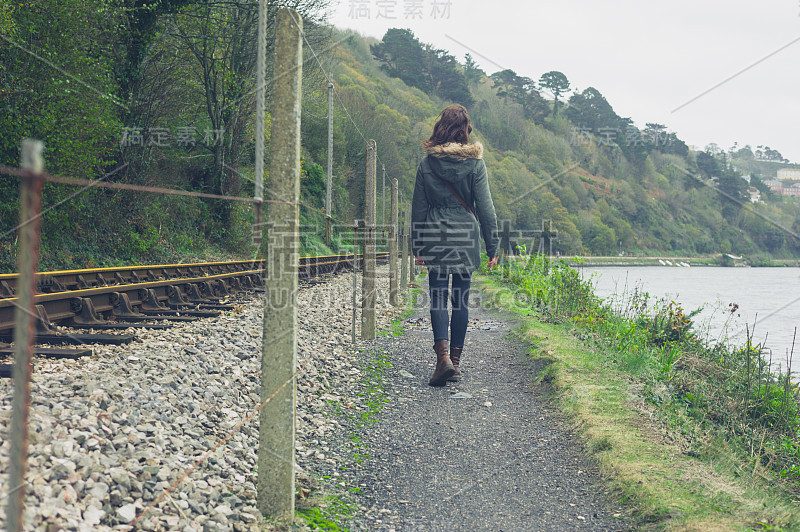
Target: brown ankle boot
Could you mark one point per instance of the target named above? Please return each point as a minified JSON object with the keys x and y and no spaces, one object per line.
{"x":455,"y":358}
{"x":444,"y":367}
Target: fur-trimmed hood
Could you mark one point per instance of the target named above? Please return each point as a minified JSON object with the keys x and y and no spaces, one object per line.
{"x":454,"y":150}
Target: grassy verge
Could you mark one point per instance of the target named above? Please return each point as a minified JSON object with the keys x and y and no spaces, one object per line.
{"x":694,"y":437}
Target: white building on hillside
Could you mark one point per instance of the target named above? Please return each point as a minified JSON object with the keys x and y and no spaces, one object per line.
{"x":789,"y":173}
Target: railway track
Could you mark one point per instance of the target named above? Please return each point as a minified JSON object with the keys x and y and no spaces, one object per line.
{"x":149,"y":297}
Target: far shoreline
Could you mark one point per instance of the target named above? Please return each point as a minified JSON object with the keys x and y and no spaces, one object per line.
{"x":678,"y":262}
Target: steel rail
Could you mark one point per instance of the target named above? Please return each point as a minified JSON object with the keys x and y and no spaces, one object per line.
{"x":131,"y":298}
{"x":69,"y":280}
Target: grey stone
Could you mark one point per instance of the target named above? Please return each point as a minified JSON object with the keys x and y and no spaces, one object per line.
{"x":99,"y":491}
{"x":127,"y":513}
{"x":120,"y":476}
{"x":92,"y":516}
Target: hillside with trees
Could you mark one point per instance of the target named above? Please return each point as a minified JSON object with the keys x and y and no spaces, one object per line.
{"x":607,"y":185}
{"x":161,"y":94}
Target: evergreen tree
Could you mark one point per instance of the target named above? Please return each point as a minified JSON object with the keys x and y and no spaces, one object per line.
{"x":557,"y":83}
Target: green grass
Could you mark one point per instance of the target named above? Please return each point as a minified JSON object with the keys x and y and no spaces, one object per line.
{"x":328,"y":514}
{"x":693,"y":437}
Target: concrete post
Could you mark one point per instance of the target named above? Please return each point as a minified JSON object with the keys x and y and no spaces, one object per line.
{"x":369,"y":297}
{"x":412,"y":264}
{"x":393,"y":299}
{"x":355,"y":282}
{"x":505,"y":246}
{"x":279,"y":359}
{"x":24,"y":328}
{"x":383,"y":204}
{"x":261,"y":59}
{"x":329,"y":189}
{"x":404,"y":254}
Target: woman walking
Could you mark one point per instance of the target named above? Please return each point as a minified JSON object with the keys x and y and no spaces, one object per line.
{"x":451,"y":195}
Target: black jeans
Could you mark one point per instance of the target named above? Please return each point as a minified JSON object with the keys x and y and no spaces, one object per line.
{"x":438,"y":284}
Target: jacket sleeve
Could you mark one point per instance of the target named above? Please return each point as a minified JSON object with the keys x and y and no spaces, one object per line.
{"x":419,"y":211}
{"x":484,"y":208}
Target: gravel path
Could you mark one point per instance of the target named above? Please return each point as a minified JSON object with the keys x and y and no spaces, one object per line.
{"x":487,"y":453}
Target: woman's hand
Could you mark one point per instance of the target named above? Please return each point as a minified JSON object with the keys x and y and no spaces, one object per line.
{"x":492,"y":262}
{"x":419,"y":261}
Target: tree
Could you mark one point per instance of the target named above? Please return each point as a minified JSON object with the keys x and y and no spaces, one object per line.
{"x":765,"y":153}
{"x":708,"y":165}
{"x":472,"y":72}
{"x":557,"y":83}
{"x":521,"y":90}
{"x":446,"y":79}
{"x":402,"y":56}
{"x":429,"y":69}
{"x":590,"y":109}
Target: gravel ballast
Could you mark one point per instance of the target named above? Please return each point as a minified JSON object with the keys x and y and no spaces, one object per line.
{"x":109,"y":433}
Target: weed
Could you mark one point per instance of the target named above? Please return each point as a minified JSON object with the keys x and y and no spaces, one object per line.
{"x":732,"y":389}
{"x":329,"y":515}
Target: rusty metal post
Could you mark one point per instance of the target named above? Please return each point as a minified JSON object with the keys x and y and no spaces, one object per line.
{"x":368,"y":296}
{"x":24,"y":328}
{"x":276,"y":446}
{"x":355,"y":281}
{"x":393,"y":292}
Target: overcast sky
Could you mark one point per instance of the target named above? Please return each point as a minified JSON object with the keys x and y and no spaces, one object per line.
{"x":649,"y":59}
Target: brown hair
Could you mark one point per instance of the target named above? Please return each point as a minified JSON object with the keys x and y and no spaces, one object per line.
{"x":453,"y":126}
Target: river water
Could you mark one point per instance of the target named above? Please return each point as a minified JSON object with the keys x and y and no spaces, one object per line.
{"x":767,"y":297}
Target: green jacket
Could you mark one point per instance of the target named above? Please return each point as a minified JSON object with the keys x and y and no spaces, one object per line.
{"x":444,"y":234}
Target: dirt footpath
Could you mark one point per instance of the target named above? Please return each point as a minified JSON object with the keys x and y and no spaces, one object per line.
{"x":488,"y":453}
